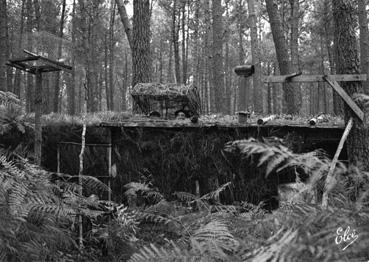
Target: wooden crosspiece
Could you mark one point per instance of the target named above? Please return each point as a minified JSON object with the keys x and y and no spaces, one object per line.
{"x":45,"y":65}
{"x":332,"y":80}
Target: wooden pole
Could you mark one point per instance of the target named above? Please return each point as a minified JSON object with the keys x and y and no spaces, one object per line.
{"x":110,"y":164}
{"x":58,"y":158}
{"x":80,"y":173}
{"x":330,"y":175}
{"x":38,"y":113}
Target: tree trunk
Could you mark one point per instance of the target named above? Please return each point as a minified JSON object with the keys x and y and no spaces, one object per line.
{"x":106,"y":75}
{"x":175,"y":37}
{"x":280,"y":44}
{"x":184,"y":62}
{"x":347,"y":62}
{"x":294,"y":48}
{"x":111,"y":55}
{"x":257,"y":84}
{"x":228,"y":76}
{"x":30,"y":84}
{"x":57,"y":77}
{"x":18,"y":73}
{"x":217,"y":52}
{"x":71,"y":88}
{"x":170,"y":66}
{"x":125,"y":20}
{"x":242,"y":83}
{"x":4,"y":52}
{"x":141,"y":56}
{"x":364,"y":42}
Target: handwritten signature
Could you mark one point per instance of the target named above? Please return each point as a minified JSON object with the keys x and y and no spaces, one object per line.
{"x":348,"y":236}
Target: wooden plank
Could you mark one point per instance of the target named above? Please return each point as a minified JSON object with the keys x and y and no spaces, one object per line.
{"x":330,"y":175}
{"x":20,"y":68}
{"x":56,"y":64}
{"x":334,"y":84}
{"x":24,"y":59}
{"x":314,"y":78}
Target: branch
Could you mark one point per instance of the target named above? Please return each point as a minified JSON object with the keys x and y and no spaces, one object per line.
{"x":125,"y":20}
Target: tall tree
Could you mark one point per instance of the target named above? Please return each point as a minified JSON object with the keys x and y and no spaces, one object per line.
{"x":175,"y":40}
{"x":242,"y":82}
{"x":4,"y":45}
{"x":217,"y":52}
{"x":257,"y":84}
{"x":347,"y":62}
{"x":364,"y":41}
{"x":138,"y":35}
{"x":57,"y":78}
{"x":141,"y":56}
{"x":18,"y":73}
{"x":281,"y":49}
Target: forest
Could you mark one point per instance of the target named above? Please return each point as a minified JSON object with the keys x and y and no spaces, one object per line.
{"x":182,"y":130}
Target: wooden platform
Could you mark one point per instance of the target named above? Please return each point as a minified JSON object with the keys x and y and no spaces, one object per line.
{"x":159,"y":123}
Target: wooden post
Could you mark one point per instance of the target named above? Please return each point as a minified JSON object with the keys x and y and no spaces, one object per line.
{"x":38,"y":113}
{"x":58,"y":158}
{"x":330,"y":174}
{"x":110,"y":164}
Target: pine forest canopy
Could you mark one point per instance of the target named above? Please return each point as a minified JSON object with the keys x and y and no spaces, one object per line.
{"x":184,"y":42}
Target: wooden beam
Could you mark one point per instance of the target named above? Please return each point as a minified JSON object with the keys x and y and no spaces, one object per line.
{"x":57,"y":64}
{"x":330,"y":175}
{"x":334,"y":84}
{"x":314,"y":78}
{"x":21,"y":67}
{"x":24,"y":59}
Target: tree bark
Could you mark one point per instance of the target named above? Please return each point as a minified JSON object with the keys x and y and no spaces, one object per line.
{"x":141,"y":55}
{"x":125,"y":20}
{"x":57,"y":76}
{"x":111,"y":55}
{"x":242,"y":82}
{"x":18,"y":73}
{"x":184,"y":62}
{"x":175,"y":37}
{"x":257,"y":84}
{"x":280,"y":44}
{"x":364,"y":42}
{"x":30,"y":84}
{"x":4,"y":51}
{"x":347,"y":62}
{"x":71,"y":88}
{"x":217,"y":52}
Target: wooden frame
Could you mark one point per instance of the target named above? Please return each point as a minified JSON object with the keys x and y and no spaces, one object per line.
{"x":47,"y":65}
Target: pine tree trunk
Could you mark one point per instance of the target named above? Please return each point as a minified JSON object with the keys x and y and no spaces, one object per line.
{"x":257,"y":84}
{"x":280,"y":44}
{"x":175,"y":39}
{"x":125,"y":21}
{"x":217,"y":52}
{"x":141,"y":56}
{"x":170,"y":66}
{"x":18,"y":73}
{"x":242,"y":83}
{"x":71,"y":88}
{"x":184,"y":62}
{"x":364,"y":42}
{"x":57,"y":78}
{"x":4,"y":52}
{"x":344,"y":14}
{"x":111,"y":55}
{"x":30,"y":83}
{"x":294,"y":48}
